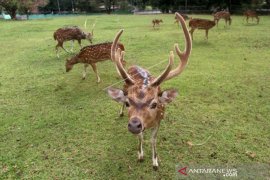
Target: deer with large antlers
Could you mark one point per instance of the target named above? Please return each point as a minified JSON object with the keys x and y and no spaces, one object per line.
{"x":142,"y":94}
{"x":90,"y":55}
{"x":70,"y":33}
{"x":252,"y":14}
{"x":197,"y":23}
{"x":223,"y":15}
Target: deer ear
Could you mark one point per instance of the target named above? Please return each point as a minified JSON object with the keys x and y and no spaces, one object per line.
{"x":117,"y":95}
{"x":168,"y":96}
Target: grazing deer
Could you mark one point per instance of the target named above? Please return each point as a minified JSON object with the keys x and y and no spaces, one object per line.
{"x":200,"y":24}
{"x":183,"y":15}
{"x":142,"y":94}
{"x":252,"y":14}
{"x":70,"y":34}
{"x":156,"y":22}
{"x":222,"y":15}
{"x":91,"y":55}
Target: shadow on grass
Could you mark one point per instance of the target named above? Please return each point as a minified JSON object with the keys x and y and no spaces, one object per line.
{"x":203,"y":43}
{"x":250,"y":24}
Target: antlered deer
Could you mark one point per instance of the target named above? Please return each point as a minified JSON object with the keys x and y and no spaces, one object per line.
{"x":142,"y":94}
{"x":252,"y":14}
{"x":91,"y":55}
{"x":222,"y":15}
{"x":70,"y":34}
{"x":197,"y":23}
{"x":156,"y":22}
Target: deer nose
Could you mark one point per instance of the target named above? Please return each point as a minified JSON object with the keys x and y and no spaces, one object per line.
{"x":135,"y":125}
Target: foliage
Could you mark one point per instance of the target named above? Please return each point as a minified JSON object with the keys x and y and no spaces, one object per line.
{"x":53,"y":125}
{"x":23,"y":6}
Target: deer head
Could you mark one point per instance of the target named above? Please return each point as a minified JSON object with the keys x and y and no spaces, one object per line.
{"x":89,"y":36}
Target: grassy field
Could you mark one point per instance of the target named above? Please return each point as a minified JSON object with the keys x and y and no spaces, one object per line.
{"x":56,"y":126}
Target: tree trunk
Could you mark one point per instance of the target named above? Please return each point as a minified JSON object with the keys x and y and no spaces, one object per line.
{"x":12,"y":14}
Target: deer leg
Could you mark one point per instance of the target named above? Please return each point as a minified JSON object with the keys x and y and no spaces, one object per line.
{"x":121,"y":114}
{"x":154,"y":149}
{"x":94,"y":67}
{"x":61,"y":44}
{"x":72,"y":44}
{"x":84,"y":71}
{"x":206,"y":33}
{"x":257,"y":20}
{"x":80,"y":43}
{"x":191,"y":33}
{"x":140,"y":150}
{"x":247,"y":19}
{"x":56,"y":50}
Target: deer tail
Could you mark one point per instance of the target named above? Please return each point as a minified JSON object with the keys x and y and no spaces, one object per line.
{"x":54,"y":36}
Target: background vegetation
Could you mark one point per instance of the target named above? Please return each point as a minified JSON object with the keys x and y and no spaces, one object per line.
{"x":53,"y":125}
{"x":127,"y":6}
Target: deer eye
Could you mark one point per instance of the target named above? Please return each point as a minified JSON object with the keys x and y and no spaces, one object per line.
{"x":127,"y":104}
{"x":153,"y":105}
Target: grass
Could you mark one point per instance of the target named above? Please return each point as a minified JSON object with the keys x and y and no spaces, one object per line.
{"x":56,"y":126}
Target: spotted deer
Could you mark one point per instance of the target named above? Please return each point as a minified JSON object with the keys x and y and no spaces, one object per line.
{"x":142,"y":94}
{"x":223,"y":15}
{"x":70,"y":33}
{"x":252,"y":14}
{"x":197,"y":23}
{"x":156,"y":22}
{"x":91,"y":55}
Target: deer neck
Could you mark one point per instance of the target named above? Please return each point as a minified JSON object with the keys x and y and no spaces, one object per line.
{"x":74,"y":60}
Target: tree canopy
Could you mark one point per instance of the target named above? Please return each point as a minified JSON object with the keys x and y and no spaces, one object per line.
{"x":60,"y":6}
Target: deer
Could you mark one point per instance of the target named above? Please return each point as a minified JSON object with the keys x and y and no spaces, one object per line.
{"x":252,"y":14}
{"x":183,"y":15}
{"x":197,"y":23}
{"x":71,"y":33}
{"x":156,"y":22}
{"x":222,"y":15}
{"x":91,"y":55}
{"x":142,"y":94}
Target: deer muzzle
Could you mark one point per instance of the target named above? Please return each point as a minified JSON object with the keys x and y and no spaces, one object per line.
{"x":135,"y":125}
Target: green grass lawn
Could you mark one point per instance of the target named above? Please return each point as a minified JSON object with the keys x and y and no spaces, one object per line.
{"x":56,"y":126}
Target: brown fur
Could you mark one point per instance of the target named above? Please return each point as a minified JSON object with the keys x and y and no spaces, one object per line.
{"x":156,"y":22}
{"x":92,"y":54}
{"x":141,"y":93}
{"x":252,"y":14}
{"x":223,"y":15}
{"x":70,"y":33}
{"x":204,"y":24}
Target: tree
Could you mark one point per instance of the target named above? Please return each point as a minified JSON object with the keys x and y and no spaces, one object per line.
{"x":23,"y":6}
{"x":10,"y":6}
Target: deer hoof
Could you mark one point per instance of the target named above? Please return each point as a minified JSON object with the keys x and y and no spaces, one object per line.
{"x":141,"y":159}
{"x":83,"y":78}
{"x":121,"y":114}
{"x":155,"y":168}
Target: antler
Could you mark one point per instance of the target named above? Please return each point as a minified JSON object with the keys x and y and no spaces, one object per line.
{"x":182,"y":55}
{"x":118,"y":57}
{"x":165,"y":73}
